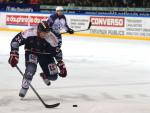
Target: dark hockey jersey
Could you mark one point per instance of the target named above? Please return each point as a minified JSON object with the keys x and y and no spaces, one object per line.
{"x":33,"y":43}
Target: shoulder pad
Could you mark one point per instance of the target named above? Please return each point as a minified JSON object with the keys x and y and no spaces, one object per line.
{"x":29,"y":32}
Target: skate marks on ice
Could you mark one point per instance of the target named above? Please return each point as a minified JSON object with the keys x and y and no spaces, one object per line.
{"x":6,"y":100}
{"x":97,"y":98}
{"x":75,"y":88}
{"x":99,"y":93}
{"x":29,"y":104}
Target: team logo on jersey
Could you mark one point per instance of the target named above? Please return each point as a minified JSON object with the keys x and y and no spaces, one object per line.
{"x":59,"y":25}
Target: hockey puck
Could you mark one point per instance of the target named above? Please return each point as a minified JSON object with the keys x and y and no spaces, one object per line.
{"x":75,"y":105}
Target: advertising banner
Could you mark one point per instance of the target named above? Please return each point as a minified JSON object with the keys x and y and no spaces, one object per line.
{"x":103,"y":25}
{"x":24,"y":20}
{"x":108,"y":25}
{"x":19,"y":7}
{"x":124,"y":26}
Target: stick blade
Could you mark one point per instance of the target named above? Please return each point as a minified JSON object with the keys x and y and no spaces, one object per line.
{"x":52,"y":105}
{"x":89,"y":25}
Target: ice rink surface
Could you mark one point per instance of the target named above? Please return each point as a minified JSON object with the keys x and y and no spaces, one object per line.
{"x":104,"y":76}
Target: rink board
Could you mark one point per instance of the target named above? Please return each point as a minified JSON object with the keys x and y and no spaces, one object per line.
{"x":124,"y":27}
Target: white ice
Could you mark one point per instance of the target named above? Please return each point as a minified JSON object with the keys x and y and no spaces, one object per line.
{"x":104,"y":76}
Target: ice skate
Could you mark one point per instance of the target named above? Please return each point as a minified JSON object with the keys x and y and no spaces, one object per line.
{"x":45,"y":79}
{"x":23,"y":92}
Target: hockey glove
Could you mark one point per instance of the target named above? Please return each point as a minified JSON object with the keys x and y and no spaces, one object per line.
{"x":62,"y":69}
{"x":13,"y":59}
{"x":71,"y":31}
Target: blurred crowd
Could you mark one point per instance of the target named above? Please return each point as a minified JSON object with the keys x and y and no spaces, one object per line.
{"x":92,"y":3}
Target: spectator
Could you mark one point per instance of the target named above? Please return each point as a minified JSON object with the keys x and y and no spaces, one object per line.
{"x":34,"y":1}
{"x":4,"y":0}
{"x":92,"y":3}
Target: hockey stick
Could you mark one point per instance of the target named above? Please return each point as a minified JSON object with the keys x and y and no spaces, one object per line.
{"x":46,"y":105}
{"x":81,"y":30}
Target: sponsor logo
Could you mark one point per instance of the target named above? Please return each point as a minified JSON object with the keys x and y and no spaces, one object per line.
{"x":24,"y":20}
{"x":108,"y":21}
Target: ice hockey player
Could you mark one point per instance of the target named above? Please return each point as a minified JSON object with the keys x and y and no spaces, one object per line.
{"x":58,"y":23}
{"x":41,"y":46}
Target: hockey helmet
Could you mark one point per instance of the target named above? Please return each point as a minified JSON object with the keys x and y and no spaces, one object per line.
{"x":59,"y":8}
{"x":44,"y":26}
